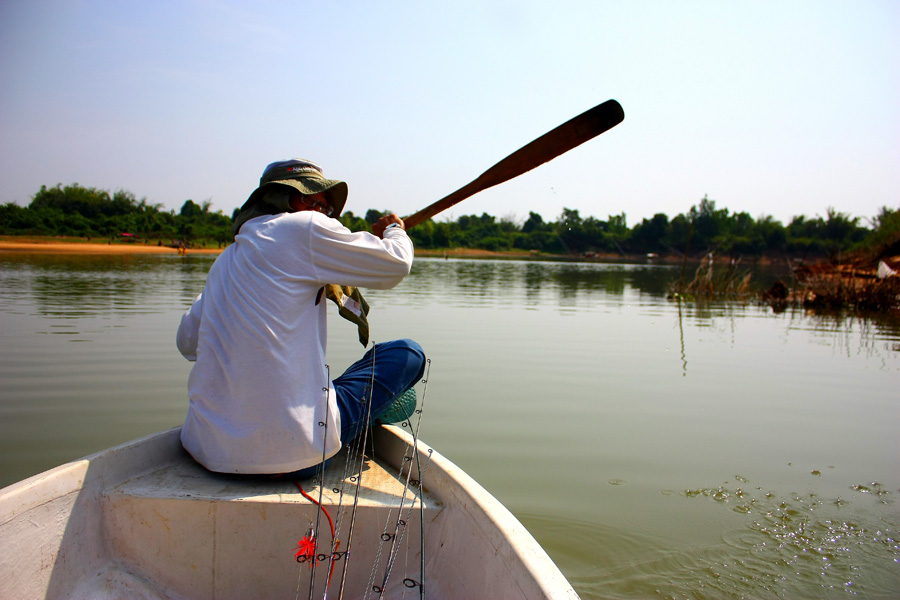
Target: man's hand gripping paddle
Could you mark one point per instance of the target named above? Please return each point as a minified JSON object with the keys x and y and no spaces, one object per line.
{"x":570,"y":134}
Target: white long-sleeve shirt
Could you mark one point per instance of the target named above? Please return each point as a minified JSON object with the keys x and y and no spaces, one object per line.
{"x":259,"y":388}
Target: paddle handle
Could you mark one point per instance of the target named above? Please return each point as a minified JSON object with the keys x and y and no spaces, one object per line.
{"x":570,"y":134}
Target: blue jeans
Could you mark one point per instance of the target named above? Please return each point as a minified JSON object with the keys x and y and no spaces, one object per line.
{"x":397,"y":366}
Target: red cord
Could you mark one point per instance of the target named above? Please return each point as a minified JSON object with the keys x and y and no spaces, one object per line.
{"x":330,"y":523}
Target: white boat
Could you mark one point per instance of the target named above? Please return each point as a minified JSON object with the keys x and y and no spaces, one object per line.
{"x":143,"y":520}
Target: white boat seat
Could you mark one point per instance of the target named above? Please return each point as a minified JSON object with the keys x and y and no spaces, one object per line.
{"x":205,"y":531}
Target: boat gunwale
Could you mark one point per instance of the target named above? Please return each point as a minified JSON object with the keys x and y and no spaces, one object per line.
{"x":465,"y":498}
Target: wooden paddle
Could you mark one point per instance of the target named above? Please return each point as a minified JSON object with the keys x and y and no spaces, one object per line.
{"x":570,"y":134}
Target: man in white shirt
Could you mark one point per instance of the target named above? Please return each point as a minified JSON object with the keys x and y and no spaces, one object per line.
{"x":261,"y":397}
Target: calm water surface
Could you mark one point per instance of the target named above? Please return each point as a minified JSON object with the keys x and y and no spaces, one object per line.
{"x":655,"y":449}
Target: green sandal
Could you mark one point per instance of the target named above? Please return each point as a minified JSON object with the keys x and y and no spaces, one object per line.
{"x":401,"y":409}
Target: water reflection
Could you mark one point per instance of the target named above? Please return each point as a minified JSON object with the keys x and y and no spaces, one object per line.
{"x":592,"y":406}
{"x":681,"y":339}
{"x":481,"y":282}
{"x":75,"y":286}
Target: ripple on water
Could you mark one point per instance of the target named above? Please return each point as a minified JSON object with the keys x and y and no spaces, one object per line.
{"x":776,"y":546}
{"x":804,"y":546}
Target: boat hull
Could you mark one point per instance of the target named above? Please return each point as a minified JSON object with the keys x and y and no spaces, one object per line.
{"x":143,"y":520}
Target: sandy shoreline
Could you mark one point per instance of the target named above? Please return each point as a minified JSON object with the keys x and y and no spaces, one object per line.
{"x":63,"y":247}
{"x":90,"y":248}
{"x":55,"y":246}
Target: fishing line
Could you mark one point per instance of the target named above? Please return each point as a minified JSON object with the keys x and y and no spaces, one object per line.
{"x":319,"y":508}
{"x":312,"y":578}
{"x":352,"y":473}
{"x":419,"y":469}
{"x":396,"y":538}
{"x":360,"y":446}
{"x":421,"y":489}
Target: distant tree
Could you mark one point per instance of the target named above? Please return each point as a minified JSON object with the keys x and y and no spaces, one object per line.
{"x":618,"y":225}
{"x":90,"y":203}
{"x":770,"y":233}
{"x":840,"y":227}
{"x":649,"y":235}
{"x":709,"y":223}
{"x":423,"y":235}
{"x":884,"y":238}
{"x":190,"y":210}
{"x":679,"y":238}
{"x":569,"y":218}
{"x":373,"y":215}
{"x":887,"y":220}
{"x":534,"y":222}
{"x":441,"y":236}
{"x":354,"y":223}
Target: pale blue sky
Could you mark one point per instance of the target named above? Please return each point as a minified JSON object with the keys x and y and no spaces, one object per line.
{"x":770,"y":107}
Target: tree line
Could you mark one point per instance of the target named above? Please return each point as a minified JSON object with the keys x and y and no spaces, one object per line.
{"x":78,"y":211}
{"x":701,"y":230}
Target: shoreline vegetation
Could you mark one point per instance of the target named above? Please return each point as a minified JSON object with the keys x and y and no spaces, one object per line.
{"x":78,"y":245}
{"x":861,"y":281}
{"x":78,"y":211}
{"x":834,"y":262}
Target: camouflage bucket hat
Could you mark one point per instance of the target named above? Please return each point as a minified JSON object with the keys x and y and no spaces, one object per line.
{"x":303,"y":175}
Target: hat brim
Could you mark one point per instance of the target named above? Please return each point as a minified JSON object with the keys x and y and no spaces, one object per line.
{"x":335,"y":191}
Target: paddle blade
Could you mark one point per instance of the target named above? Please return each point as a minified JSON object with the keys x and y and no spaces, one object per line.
{"x":570,"y":134}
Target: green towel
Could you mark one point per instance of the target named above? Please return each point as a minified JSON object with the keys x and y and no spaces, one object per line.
{"x":351,"y":305}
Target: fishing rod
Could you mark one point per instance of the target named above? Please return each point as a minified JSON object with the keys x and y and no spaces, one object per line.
{"x":556,"y":142}
{"x":315,"y":560}
{"x":397,"y":536}
{"x":359,"y":445}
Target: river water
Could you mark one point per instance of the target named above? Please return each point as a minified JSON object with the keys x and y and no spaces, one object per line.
{"x":654,"y":448}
